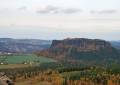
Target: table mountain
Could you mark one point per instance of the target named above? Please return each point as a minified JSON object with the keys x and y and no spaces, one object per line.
{"x":82,"y":50}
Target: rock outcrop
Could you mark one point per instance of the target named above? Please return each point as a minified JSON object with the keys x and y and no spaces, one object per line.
{"x":4,"y":80}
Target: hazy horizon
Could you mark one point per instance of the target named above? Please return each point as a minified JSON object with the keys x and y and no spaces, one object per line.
{"x":53,"y":35}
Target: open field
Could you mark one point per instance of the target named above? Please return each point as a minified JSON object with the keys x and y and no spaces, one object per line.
{"x":11,"y":66}
{"x":22,"y":59}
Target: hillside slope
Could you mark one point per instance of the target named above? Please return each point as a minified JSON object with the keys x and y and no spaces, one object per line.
{"x":115,"y":44}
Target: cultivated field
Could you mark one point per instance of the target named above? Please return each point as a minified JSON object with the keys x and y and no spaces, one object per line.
{"x":19,"y":61}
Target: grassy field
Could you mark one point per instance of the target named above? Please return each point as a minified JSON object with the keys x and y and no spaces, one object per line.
{"x":20,"y":59}
{"x":11,"y":66}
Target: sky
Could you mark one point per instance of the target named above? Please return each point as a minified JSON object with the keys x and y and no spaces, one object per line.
{"x":59,"y":19}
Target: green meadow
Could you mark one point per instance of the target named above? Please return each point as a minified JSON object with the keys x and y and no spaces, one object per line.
{"x":18,"y":61}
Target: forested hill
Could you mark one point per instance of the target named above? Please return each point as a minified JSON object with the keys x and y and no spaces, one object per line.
{"x":23,"y":45}
{"x":81,"y":50}
{"x":116,"y":44}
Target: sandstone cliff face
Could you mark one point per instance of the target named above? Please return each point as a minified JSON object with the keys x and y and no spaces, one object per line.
{"x":80,"y":44}
{"x":82,"y":50}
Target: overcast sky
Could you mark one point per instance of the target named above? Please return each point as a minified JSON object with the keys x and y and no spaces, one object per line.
{"x":58,"y":19}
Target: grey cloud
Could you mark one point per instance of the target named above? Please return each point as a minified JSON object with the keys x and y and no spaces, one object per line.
{"x":5,"y":11}
{"x":56,"y":10}
{"x":48,"y":9}
{"x":104,"y":11}
{"x":70,"y":10}
{"x":22,"y":8}
{"x":43,"y":11}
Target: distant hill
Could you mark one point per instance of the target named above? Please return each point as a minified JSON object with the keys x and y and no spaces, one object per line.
{"x":23,"y":45}
{"x":115,"y":44}
{"x":81,"y":50}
